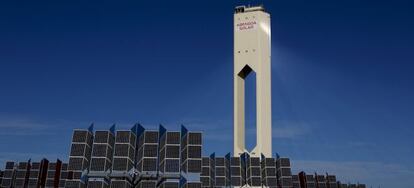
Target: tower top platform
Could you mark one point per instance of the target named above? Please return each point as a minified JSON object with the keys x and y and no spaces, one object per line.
{"x":242,"y":9}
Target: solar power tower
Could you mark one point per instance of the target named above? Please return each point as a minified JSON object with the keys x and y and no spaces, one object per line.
{"x":9,"y":174}
{"x":169,"y":158}
{"x":80,"y":155}
{"x":191,"y":143}
{"x":124,"y":158}
{"x":101,"y":160}
{"x":252,"y":53}
{"x":147,"y":159}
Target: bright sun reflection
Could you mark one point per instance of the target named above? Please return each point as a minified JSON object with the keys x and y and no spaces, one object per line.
{"x":265,"y":28}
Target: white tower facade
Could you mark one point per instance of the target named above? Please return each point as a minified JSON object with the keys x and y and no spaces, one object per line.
{"x":252,"y":50}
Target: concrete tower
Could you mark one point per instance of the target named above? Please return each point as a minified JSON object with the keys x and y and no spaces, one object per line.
{"x":252,"y":53}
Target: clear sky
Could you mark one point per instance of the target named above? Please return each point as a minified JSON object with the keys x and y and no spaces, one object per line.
{"x":342,"y":78}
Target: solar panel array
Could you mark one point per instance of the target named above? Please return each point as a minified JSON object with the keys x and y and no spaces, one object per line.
{"x":310,"y":181}
{"x":245,"y":171}
{"x":98,"y":183}
{"x":157,"y":159}
{"x":320,"y":181}
{"x":47,"y":174}
{"x":332,"y":183}
{"x":22,"y":174}
{"x":124,"y":155}
{"x":169,"y":151}
{"x":169,"y":184}
{"x":136,"y":157}
{"x":63,"y":175}
{"x":25,"y":174}
{"x":37,"y":174}
{"x":51,"y":173}
{"x":352,"y":186}
{"x":1,"y":177}
{"x":295,"y":181}
{"x":191,"y":146}
{"x":147,"y":183}
{"x":147,"y":153}
{"x":120,"y":183}
{"x":221,"y":172}
{"x":8,"y":175}
{"x":236,"y":172}
{"x":253,"y":175}
{"x":79,"y":158}
{"x":207,"y":176}
{"x":268,"y":168}
{"x":283,"y":172}
{"x":191,"y":152}
{"x":123,"y":159}
{"x":101,"y":159}
{"x":34,"y":174}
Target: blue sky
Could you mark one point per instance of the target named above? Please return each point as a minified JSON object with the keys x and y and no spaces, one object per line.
{"x":342,"y":78}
